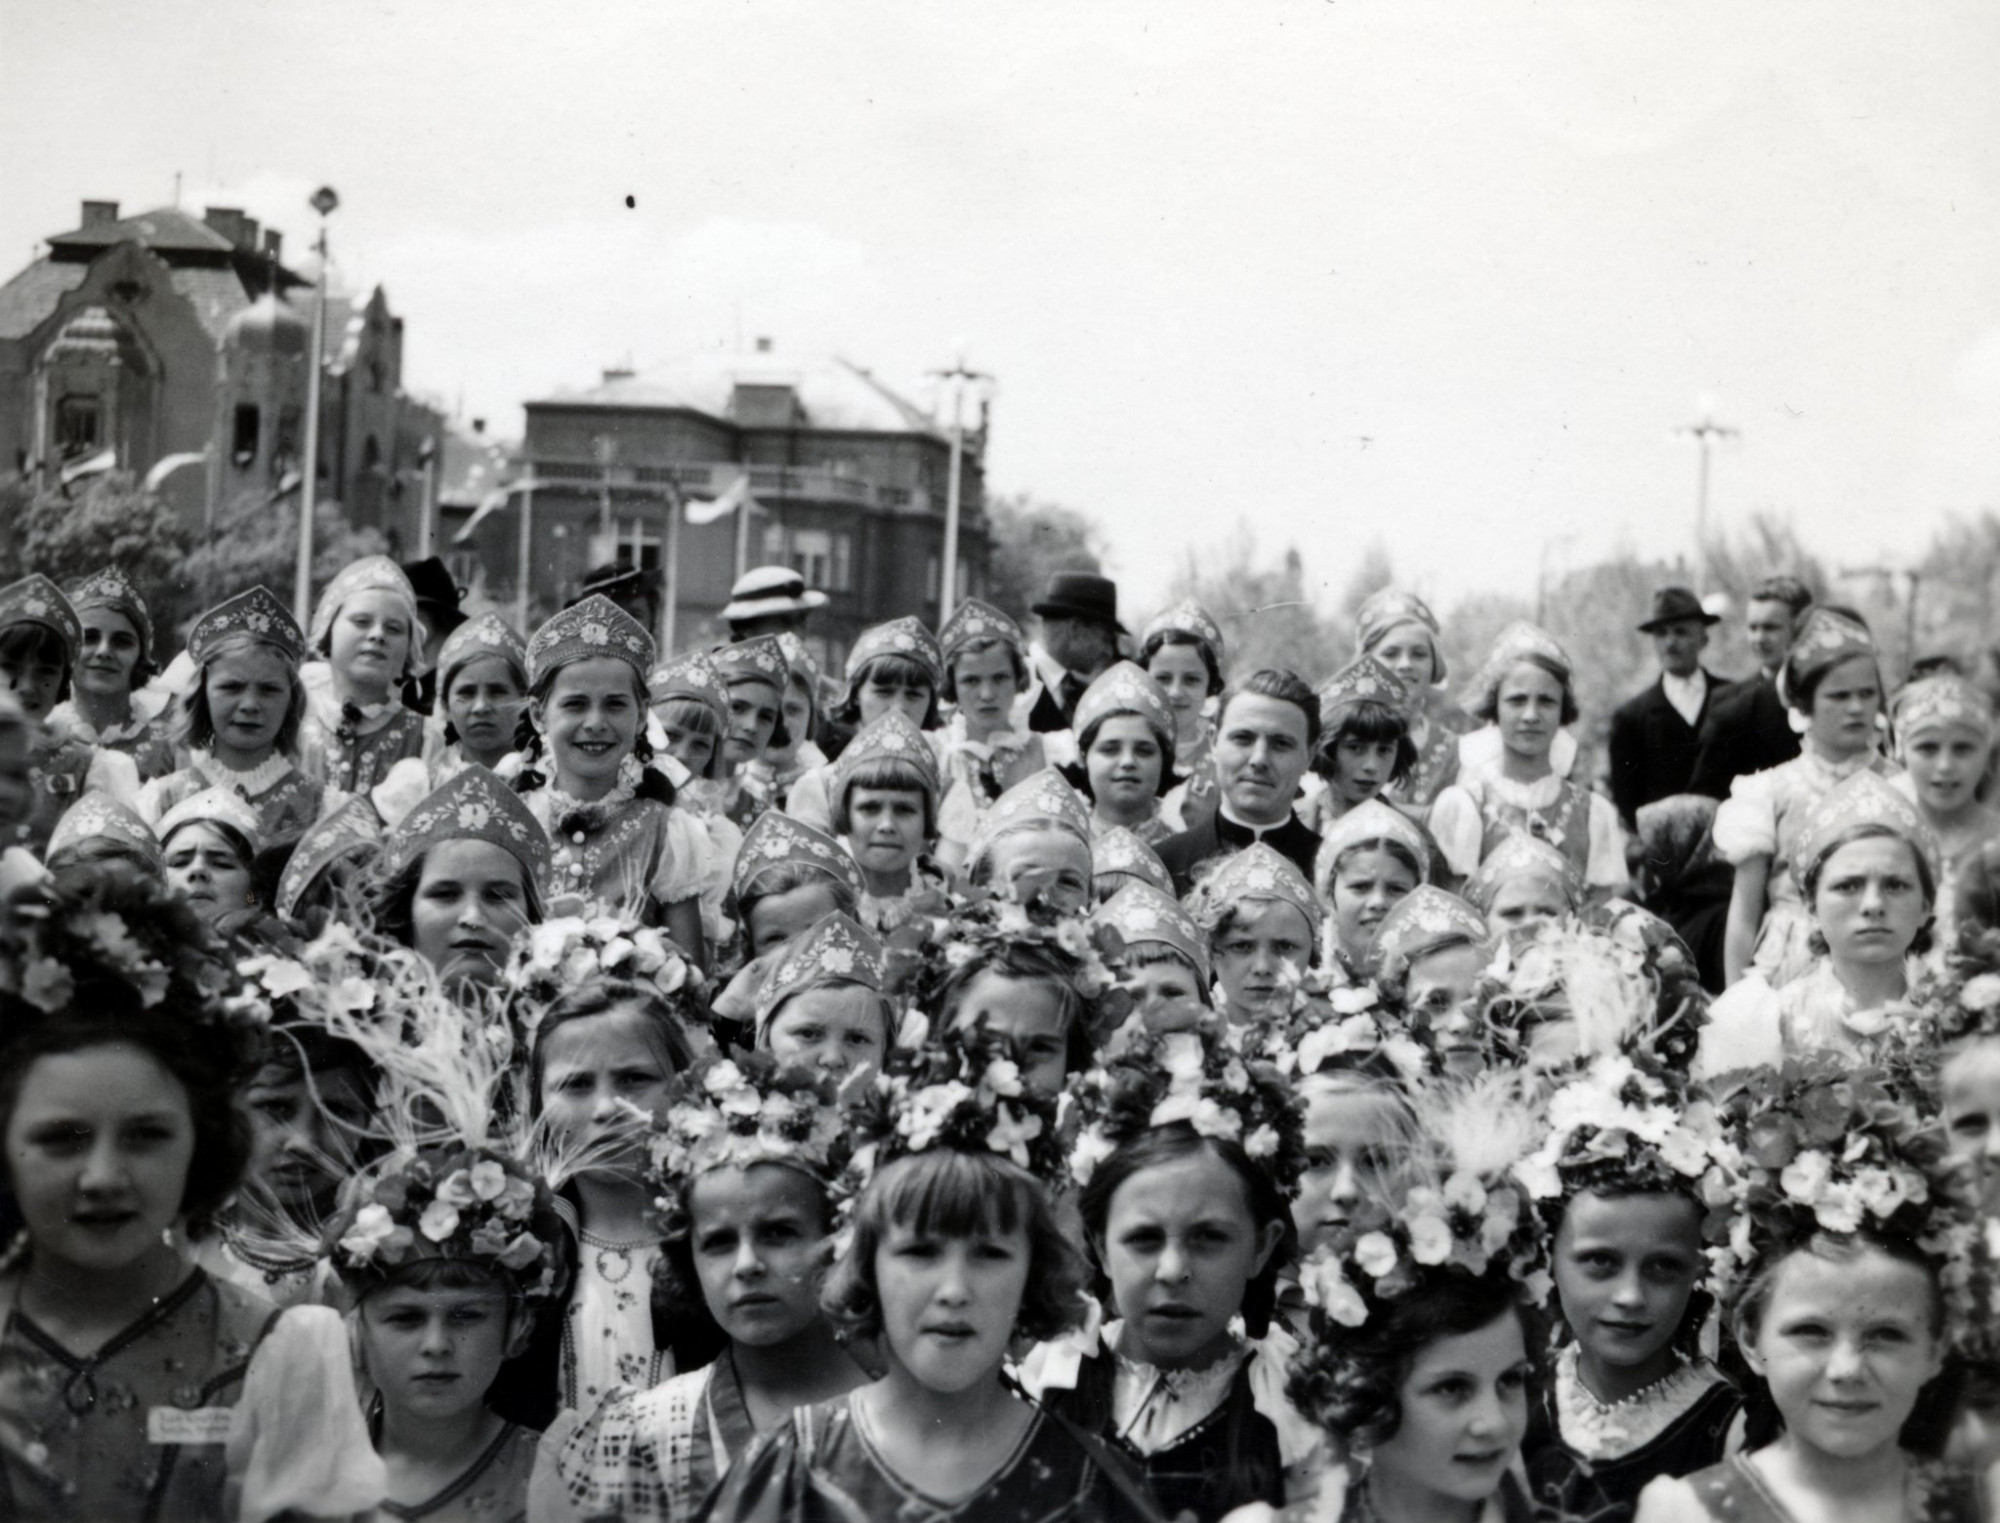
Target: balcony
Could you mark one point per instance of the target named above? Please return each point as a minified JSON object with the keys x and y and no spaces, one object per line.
{"x":771,"y":483}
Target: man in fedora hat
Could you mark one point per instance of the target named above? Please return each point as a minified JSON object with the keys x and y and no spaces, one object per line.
{"x":768,"y":600}
{"x":1655,"y":736}
{"x":630,"y":587}
{"x":1749,"y":729}
{"x":1080,"y":631}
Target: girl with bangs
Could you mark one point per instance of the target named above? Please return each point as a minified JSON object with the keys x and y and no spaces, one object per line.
{"x":985,"y":672}
{"x":884,"y":797}
{"x":1364,"y":746}
{"x":952,"y":1251}
{"x":895,"y":667}
{"x":1125,"y":739}
{"x":690,"y":707}
{"x":1183,"y":651}
{"x":482,"y":697}
{"x":755,"y":674}
{"x":772,"y":776}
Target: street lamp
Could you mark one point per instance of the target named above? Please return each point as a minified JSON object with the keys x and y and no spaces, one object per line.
{"x":957,"y":378}
{"x":323,"y":201}
{"x":1705,"y":431}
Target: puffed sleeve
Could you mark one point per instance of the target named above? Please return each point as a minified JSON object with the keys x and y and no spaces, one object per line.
{"x":112,"y":772}
{"x":1744,"y":1029}
{"x":691,"y":862}
{"x":297,"y":1441}
{"x":600,"y":1466}
{"x":811,"y":800}
{"x":1746,"y":823}
{"x":1669,"y":1499}
{"x":1456,"y":825}
{"x":1606,"y":867}
{"x":769,"y":1484}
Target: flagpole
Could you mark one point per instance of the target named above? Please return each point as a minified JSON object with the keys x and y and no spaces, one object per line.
{"x":673,"y":549}
{"x":324,"y":201}
{"x":522,"y":566}
{"x":743,"y":535}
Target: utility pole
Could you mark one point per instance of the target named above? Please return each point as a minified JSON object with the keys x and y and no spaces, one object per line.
{"x":1705,"y":431}
{"x":957,"y":378}
{"x":323,"y":201}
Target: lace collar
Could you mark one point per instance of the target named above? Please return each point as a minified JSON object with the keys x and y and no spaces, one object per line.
{"x":253,"y":782}
{"x":66,"y":719}
{"x":567,"y":815}
{"x":1598,"y":1430}
{"x":342,"y":717}
{"x":1152,"y":1408}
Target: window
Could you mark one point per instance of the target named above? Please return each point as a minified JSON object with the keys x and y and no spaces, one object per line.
{"x":931,"y":563}
{"x":248,"y":425}
{"x":812,"y":555}
{"x":79,"y":423}
{"x":824,"y":557}
{"x":638,"y":544}
{"x":285,"y":457}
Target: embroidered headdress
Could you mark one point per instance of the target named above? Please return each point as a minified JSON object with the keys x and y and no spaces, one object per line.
{"x":1141,"y":913}
{"x":835,"y":950}
{"x":473,"y":805}
{"x":1946,"y":701}
{"x":890,"y":737}
{"x":1388,"y":609}
{"x":349,"y":835}
{"x":775,"y":839}
{"x":1256,"y":872}
{"x":695,"y":677}
{"x":1189,"y":618}
{"x":1122,"y":688}
{"x":1823,"y":640}
{"x":99,"y":815}
{"x":906,"y":637}
{"x":1362,"y":680}
{"x":1119,"y":852}
{"x":1521,"y":855}
{"x":487,"y":634}
{"x":594,"y":627}
{"x":255,"y":613}
{"x":1516,"y":643}
{"x":109,"y":587}
{"x":372,"y":573}
{"x":1370,"y":820}
{"x":1042,"y":799}
{"x":1422,"y":921}
{"x":761,"y":658}
{"x":37,"y":600}
{"x":973,"y":621}
{"x":1864,"y":800}
{"x":213,"y":806}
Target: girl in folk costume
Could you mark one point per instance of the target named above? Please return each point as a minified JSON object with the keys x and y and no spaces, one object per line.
{"x":788,"y":878}
{"x":1035,"y":842}
{"x":1525,"y":693}
{"x":482,"y":693}
{"x":40,"y":639}
{"x":17,"y":792}
{"x":1165,"y":961}
{"x":985,"y":656}
{"x":771,"y":776}
{"x":756,"y":674}
{"x":618,"y":838}
{"x":691,"y":707}
{"x":1369,"y":859}
{"x":1188,"y":1157}
{"x":609,"y":1014}
{"x":950,"y":1251}
{"x":1364,"y":741}
{"x":461,"y":876}
{"x":1119,"y":858}
{"x":744,"y":1154}
{"x":1263,"y":924}
{"x":133,"y":1385}
{"x":366,"y":630}
{"x":111,"y":704}
{"x":208,"y":848}
{"x":1944,"y":737}
{"x":1832,"y":684}
{"x":1525,"y":882}
{"x":97,"y":828}
{"x":1867,"y":868}
{"x":1183,"y":651}
{"x":884,"y":798}
{"x":1431,"y":948}
{"x":1416,"y":1358}
{"x":1848,"y":1269}
{"x":895,"y":667}
{"x":1125,"y":737}
{"x":239,"y":721}
{"x":1619,"y":1181}
{"x":1401,"y":632}
{"x":821,"y":1005}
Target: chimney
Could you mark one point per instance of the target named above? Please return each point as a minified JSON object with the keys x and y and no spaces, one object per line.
{"x":246,"y":235}
{"x":479,"y":425}
{"x":226,"y":220}
{"x":763,"y":344}
{"x":274,"y":243}
{"x":97,"y":213}
{"x":617,"y":373}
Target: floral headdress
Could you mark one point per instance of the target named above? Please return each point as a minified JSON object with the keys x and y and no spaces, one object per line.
{"x":1520,"y":854}
{"x":109,"y":587}
{"x":1423,"y":920}
{"x":350,"y":835}
{"x":906,"y":637}
{"x":1387,"y":609}
{"x":958,"y":1090}
{"x":1369,"y":820}
{"x":1123,"y":688}
{"x":1946,"y":700}
{"x":594,"y":627}
{"x":1044,"y":799}
{"x":487,"y":634}
{"x":835,"y":950}
{"x":1865,"y":799}
{"x":473,"y":805}
{"x":550,"y":959}
{"x":100,"y":815}
{"x":1256,"y":872}
{"x":1141,"y":913}
{"x":799,"y":661}
{"x":1330,"y":1024}
{"x":37,"y":600}
{"x":255,"y":613}
{"x":214,"y":806}
{"x":1824,"y":1145}
{"x":1825,"y":639}
{"x":775,"y":839}
{"x":372,"y":573}
{"x":744,"y":1110}
{"x":1119,"y":851}
{"x":761,"y":658}
{"x":889,"y":737}
{"x":691,"y":676}
{"x":1148,"y":1078}
{"x":1362,"y":680}
{"x":1088,"y":951}
{"x":973,"y":620}
{"x":1517,"y":642}
{"x":1189,"y":618}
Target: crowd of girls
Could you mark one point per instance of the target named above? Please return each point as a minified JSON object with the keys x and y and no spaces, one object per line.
{"x":454,"y":1072}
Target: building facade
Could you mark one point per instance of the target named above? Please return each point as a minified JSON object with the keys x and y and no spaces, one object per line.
{"x":846,"y":481}
{"x":168,"y":341}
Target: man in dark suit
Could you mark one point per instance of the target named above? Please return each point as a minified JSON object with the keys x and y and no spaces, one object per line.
{"x":1080,"y":631}
{"x":1265,"y":734}
{"x":1655,"y":736}
{"x":1749,"y":729}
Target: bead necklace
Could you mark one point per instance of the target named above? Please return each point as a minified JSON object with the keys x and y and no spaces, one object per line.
{"x":606,"y":1249}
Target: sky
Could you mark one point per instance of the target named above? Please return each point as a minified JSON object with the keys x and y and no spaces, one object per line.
{"x":1443,"y":277}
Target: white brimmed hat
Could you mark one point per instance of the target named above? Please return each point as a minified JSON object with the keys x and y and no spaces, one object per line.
{"x":765,"y":590}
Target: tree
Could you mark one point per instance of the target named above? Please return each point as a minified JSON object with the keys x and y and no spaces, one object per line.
{"x":108,"y":521}
{"x":1031,"y":540}
{"x":1375,"y":572}
{"x":1266,"y":615}
{"x":255,"y":544}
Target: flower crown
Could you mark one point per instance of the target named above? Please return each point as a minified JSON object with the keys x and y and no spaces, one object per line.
{"x":1332,"y":1024}
{"x":1964,"y":999}
{"x":471,"y":1204}
{"x":1619,"y":1127}
{"x":1823,"y":1145}
{"x":1147,"y":1078}
{"x":550,"y":959}
{"x":743,"y":1110}
{"x":984,"y":921}
{"x":960,"y":1090}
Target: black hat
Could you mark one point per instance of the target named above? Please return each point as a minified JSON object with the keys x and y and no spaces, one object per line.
{"x":1081,"y":595}
{"x":1672,"y":605}
{"x":437,"y":594}
{"x":611,"y":580}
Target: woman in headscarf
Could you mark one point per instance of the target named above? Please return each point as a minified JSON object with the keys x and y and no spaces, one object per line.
{"x":1683,"y":881}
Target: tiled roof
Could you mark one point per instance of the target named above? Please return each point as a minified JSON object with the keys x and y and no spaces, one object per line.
{"x":33,"y":294}
{"x":165,"y":228}
{"x":470,"y":466}
{"x":216,"y":295}
{"x":832,"y":393}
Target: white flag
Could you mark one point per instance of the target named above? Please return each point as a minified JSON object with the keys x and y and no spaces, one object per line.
{"x":737,"y":496}
{"x":168,"y":464}
{"x":93,"y":465}
{"x":492,"y":503}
